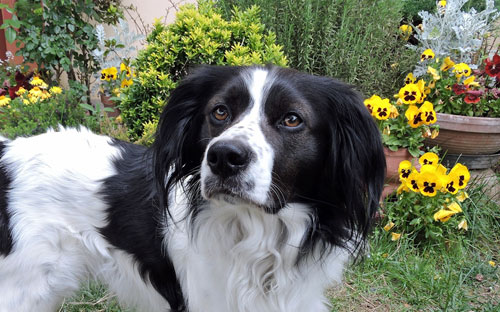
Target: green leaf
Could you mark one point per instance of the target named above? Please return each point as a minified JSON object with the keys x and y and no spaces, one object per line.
{"x":71,"y":27}
{"x":10,"y":34}
{"x":87,"y":107}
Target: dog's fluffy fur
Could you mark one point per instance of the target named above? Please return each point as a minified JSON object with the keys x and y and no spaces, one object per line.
{"x":261,"y":183}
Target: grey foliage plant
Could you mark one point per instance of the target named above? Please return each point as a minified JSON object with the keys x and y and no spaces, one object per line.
{"x":452,"y":32}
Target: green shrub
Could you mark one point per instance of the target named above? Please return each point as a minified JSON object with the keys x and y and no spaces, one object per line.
{"x":355,"y":41}
{"x":198,"y":36}
{"x":25,"y":117}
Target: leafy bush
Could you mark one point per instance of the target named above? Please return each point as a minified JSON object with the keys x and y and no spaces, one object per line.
{"x":57,"y":35}
{"x":36,"y":110}
{"x":356,"y":41}
{"x":198,"y":36}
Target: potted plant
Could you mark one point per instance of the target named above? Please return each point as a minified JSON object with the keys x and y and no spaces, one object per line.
{"x":404,"y":125}
{"x":462,"y":81}
{"x":113,"y":80}
{"x":467,"y":103}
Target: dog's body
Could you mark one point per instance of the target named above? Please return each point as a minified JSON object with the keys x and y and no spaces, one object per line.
{"x":260,"y":184}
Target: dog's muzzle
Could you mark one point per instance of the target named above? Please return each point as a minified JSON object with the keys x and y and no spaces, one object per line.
{"x":228,"y":158}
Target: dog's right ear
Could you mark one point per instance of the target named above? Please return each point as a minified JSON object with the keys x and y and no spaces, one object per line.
{"x":178,"y":148}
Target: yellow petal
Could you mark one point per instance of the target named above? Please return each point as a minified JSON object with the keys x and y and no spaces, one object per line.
{"x":463,"y":225}
{"x":389,"y":226}
{"x":395,"y":236}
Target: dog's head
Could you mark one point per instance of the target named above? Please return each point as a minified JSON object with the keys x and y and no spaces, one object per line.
{"x":268,"y":137}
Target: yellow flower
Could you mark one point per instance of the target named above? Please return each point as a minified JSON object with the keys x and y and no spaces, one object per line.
{"x":428,"y":113}
{"x":427,"y":55}
{"x":389,"y":226}
{"x":433,"y":72}
{"x":434,"y":133}
{"x":469,"y":82}
{"x":492,"y":263}
{"x":428,"y":182}
{"x":55,"y":90}
{"x":442,"y":3}
{"x":382,"y":110}
{"x":451,"y":183}
{"x":126,"y":83}
{"x":35,"y":93}
{"x":395,"y":236}
{"x":125,"y":68}
{"x":414,"y":116}
{"x":109,"y":73}
{"x":405,"y":169}
{"x":463,"y":175}
{"x":462,"y":196}
{"x":463,"y":225}
{"x":412,"y":181}
{"x":402,"y":188}
{"x":421,"y":88}
{"x":447,"y":64}
{"x":405,"y":32}
{"x":394,"y":112}
{"x":371,"y":102}
{"x":443,"y":215}
{"x":462,"y":69}
{"x":21,"y":91}
{"x":455,"y":207}
{"x":410,"y":79}
{"x":429,"y":158}
{"x":4,"y":101}
{"x":36,"y":81}
{"x":410,"y":94}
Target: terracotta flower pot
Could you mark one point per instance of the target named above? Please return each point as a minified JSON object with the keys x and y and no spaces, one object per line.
{"x":467,"y":135}
{"x":392,"y":159}
{"x":107,"y":102}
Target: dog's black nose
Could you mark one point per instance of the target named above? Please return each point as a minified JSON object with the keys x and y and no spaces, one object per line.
{"x":227,"y":158}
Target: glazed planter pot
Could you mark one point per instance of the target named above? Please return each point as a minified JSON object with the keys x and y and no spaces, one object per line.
{"x":467,"y":135}
{"x":108,"y":103}
{"x":392,"y":159}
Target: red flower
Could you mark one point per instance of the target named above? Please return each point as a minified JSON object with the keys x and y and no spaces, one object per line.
{"x":492,"y":68}
{"x":459,"y":89}
{"x":472,"y":97}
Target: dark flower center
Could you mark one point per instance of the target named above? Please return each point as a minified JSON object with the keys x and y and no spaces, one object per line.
{"x":429,"y":187}
{"x":450,"y":187}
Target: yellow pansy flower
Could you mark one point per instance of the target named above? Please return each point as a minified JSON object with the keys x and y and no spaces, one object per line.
{"x":469,"y":82}
{"x":126,"y":83}
{"x":428,"y":113}
{"x":433,"y":72}
{"x":4,"y":101}
{"x":410,"y":94}
{"x":462,"y":196}
{"x":428,"y":183}
{"x":442,"y":4}
{"x":463,"y":225}
{"x":429,"y":158}
{"x":447,"y":64}
{"x":125,"y":68}
{"x":421,"y":88}
{"x":388,"y":226}
{"x":402,"y":188}
{"x":109,"y":73}
{"x":451,"y":183}
{"x":462,"y":69}
{"x":371,"y":102}
{"x":463,"y":175}
{"x":382,"y":109}
{"x":395,"y":236}
{"x":405,"y":32}
{"x":412,"y":181}
{"x":427,"y":55}
{"x":405,"y":169}
{"x":443,"y":215}
{"x":414,"y":116}
{"x":410,"y":79}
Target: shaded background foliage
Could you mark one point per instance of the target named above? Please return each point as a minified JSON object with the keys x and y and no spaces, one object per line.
{"x":356,"y":41}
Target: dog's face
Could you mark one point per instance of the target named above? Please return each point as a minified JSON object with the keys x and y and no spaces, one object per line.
{"x":268,"y":137}
{"x":264,"y":140}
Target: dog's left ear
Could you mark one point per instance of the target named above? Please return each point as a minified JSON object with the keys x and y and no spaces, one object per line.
{"x":354,"y":171}
{"x":178,"y":148}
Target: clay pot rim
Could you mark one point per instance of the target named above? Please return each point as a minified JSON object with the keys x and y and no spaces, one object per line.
{"x":468,"y":124}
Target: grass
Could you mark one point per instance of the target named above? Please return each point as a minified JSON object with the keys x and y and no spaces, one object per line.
{"x":397,"y":276}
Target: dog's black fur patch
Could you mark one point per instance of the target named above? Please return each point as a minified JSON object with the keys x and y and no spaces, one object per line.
{"x":5,"y":234}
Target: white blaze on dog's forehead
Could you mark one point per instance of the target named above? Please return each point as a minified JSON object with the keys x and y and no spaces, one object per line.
{"x":256,"y":83}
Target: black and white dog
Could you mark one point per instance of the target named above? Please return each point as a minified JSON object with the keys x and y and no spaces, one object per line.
{"x":261,"y":183}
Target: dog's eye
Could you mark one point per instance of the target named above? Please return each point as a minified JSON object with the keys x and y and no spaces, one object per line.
{"x":292,"y":120}
{"x":220,"y":113}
